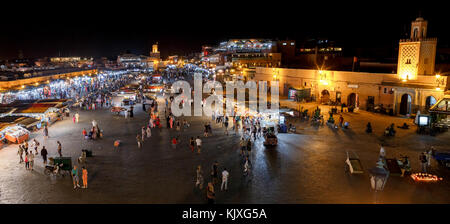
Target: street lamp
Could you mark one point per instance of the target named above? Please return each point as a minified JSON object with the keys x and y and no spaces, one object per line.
{"x":440,"y":81}
{"x":378,"y":178}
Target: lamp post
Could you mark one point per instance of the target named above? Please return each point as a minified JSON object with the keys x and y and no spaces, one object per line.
{"x":276,"y":73}
{"x":378,"y":178}
{"x":440,"y":81}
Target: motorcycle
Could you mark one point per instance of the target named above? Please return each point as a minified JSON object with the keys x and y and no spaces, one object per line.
{"x":292,"y":128}
{"x":54,"y":169}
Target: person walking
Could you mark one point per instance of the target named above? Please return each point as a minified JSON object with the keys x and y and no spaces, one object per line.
{"x":149,"y":132}
{"x":20,"y":153}
{"x":59,"y":148}
{"x":74,"y":119}
{"x":199,"y":181}
{"x":31,"y":160}
{"x":77,"y":117}
{"x":192,"y":144}
{"x":423,"y":161}
{"x":341,"y":121}
{"x":144,"y":133}
{"x":225,"y":175}
{"x":247,"y":166}
{"x":45,"y":131}
{"x":243,"y":145}
{"x":382,"y":151}
{"x":44,"y":154}
{"x":210,"y":194}
{"x":35,"y":145}
{"x":215,"y":172}
{"x":199,"y":144}
{"x":174,"y":142}
{"x":138,"y":139}
{"x":249,"y":147}
{"x":225,"y":123}
{"x":24,"y":148}
{"x":75,"y":177}
{"x":84,"y":176}
{"x":27,"y":162}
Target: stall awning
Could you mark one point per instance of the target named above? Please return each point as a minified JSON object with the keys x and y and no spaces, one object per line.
{"x":442,"y":106}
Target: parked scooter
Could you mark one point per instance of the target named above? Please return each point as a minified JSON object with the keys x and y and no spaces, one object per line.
{"x":54,"y":169}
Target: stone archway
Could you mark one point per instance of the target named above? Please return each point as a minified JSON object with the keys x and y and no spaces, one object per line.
{"x":405,"y":104}
{"x":430,"y":101}
{"x":324,"y":96}
{"x":352,"y":100}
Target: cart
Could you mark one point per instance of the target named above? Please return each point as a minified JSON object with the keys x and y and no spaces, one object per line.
{"x":393,"y":167}
{"x":443,"y":158}
{"x":353,"y":164}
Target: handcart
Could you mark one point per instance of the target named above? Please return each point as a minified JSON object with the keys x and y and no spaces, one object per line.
{"x":353,"y":164}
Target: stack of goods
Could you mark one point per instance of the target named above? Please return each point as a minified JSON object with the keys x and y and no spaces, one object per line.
{"x":16,"y":134}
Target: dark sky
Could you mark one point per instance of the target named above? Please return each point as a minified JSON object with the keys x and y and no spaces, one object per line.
{"x":107,"y":28}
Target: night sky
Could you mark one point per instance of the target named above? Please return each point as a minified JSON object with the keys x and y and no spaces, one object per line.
{"x":109,"y":28}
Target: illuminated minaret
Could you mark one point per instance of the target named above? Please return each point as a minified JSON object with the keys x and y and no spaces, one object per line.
{"x":416,"y":55}
{"x":155,"y":53}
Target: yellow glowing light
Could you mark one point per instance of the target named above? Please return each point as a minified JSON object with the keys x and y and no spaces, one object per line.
{"x":320,"y":71}
{"x":404,"y":80}
{"x":438,"y":76}
{"x":23,"y":86}
{"x":324,"y":82}
{"x":438,"y":88}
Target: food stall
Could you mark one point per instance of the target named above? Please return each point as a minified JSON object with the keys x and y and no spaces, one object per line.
{"x":16,"y":134}
{"x":30,"y":123}
{"x":3,"y":140}
{"x":154,"y":88}
{"x":45,"y":112}
{"x":156,"y":78}
{"x":440,"y":115}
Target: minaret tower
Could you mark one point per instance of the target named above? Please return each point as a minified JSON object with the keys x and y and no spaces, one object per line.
{"x":417,"y":54}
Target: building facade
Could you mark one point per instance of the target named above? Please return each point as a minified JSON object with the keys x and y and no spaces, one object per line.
{"x":415,"y":86}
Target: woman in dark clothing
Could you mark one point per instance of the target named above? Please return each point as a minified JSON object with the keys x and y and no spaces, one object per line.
{"x":44,"y":154}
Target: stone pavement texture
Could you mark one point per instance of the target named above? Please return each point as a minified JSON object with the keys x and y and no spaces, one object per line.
{"x":304,"y":168}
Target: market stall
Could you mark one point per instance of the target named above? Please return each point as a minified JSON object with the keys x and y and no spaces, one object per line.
{"x":30,"y":123}
{"x":154,"y":88}
{"x":46,"y":112}
{"x":16,"y":134}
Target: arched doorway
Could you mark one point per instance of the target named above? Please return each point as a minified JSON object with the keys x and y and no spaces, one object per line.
{"x":352,"y":100}
{"x":405,"y":104}
{"x":325,"y":96}
{"x":430,"y":101}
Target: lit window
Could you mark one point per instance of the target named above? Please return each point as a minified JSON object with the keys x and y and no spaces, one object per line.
{"x":284,"y":44}
{"x":292,"y":43}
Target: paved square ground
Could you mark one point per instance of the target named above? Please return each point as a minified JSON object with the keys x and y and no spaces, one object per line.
{"x":304,"y":168}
